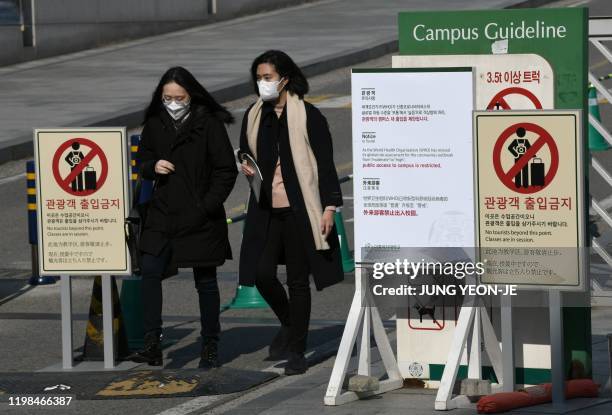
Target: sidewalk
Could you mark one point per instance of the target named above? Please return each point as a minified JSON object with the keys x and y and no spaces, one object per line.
{"x":110,"y":86}
{"x":304,"y":395}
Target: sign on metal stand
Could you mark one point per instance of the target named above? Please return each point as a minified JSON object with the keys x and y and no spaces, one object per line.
{"x":390,"y":148}
{"x":524,"y":59}
{"x":82,"y":193}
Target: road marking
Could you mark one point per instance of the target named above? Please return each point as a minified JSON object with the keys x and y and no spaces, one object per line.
{"x":566,"y":3}
{"x":349,"y":220}
{"x":599,"y":64}
{"x":606,"y":203}
{"x":21,"y":291}
{"x":281,"y":370}
{"x":11,"y":179}
{"x":579,"y":3}
{"x":316,"y":99}
{"x":336,"y":102}
{"x":345,"y":166}
{"x":198,"y":403}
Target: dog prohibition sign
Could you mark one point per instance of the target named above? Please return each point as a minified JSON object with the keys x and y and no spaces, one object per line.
{"x":528,"y":174}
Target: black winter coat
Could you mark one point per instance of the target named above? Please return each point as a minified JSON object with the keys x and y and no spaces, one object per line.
{"x":325,"y":266}
{"x":186,"y":208}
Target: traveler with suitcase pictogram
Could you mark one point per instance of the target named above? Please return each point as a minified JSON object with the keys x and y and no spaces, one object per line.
{"x":537,"y":172}
{"x":90,"y":178}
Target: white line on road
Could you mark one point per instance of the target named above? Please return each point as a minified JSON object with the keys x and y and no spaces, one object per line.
{"x":11,"y":179}
{"x":281,"y":370}
{"x":201,"y":402}
{"x":606,"y":203}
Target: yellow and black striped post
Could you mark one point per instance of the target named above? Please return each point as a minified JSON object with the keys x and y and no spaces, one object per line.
{"x":35,"y":279}
{"x":131,"y":289}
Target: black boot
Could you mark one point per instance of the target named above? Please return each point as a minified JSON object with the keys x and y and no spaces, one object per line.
{"x":209,"y":356}
{"x":151,"y":353}
{"x":296,"y":365}
{"x":278,"y":347}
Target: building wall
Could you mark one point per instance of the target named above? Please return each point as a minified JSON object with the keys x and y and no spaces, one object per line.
{"x":65,"y":26}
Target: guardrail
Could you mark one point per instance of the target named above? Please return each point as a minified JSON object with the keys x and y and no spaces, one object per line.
{"x":597,"y":35}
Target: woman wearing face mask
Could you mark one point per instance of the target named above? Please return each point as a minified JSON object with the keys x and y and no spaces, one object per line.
{"x":293,"y":222}
{"x":185,"y":149}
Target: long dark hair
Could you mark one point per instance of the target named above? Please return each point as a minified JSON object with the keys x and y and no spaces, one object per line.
{"x":285,"y":67}
{"x":199,"y":95}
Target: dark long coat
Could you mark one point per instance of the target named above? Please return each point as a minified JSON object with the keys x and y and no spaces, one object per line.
{"x":186,"y":208}
{"x":325,"y":266}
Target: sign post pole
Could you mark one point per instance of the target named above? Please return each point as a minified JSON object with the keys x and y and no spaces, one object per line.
{"x":66,"y":309}
{"x":556,"y":349}
{"x":107,"y":322}
{"x":507,"y":338}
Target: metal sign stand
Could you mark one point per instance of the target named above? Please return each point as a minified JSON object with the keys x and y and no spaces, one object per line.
{"x":107,"y":322}
{"x":363,"y":313}
{"x":473,"y":318}
{"x":66,"y":298}
{"x":557,"y":364}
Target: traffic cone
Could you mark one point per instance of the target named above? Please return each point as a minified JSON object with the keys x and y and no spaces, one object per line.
{"x":133,"y":317}
{"x":596,"y":140}
{"x":348,"y":262}
{"x":93,"y":348}
{"x":246,"y":297}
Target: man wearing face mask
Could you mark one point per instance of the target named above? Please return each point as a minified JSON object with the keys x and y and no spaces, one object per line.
{"x":293,"y":221}
{"x":185,"y":149}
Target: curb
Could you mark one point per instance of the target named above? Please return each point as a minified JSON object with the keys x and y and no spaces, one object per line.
{"x":22,"y":146}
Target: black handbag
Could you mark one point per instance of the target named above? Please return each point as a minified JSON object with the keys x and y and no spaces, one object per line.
{"x":134,"y":225}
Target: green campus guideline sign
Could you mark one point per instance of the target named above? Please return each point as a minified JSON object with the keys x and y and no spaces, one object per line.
{"x":557,"y":35}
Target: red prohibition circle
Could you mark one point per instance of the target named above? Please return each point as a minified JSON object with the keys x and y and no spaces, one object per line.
{"x":499,"y":98}
{"x":544,"y":139}
{"x":64,"y":182}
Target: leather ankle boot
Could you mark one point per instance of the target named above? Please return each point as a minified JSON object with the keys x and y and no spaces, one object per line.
{"x":278,"y":347}
{"x":209,"y":356}
{"x":296,"y":365}
{"x":151,"y":353}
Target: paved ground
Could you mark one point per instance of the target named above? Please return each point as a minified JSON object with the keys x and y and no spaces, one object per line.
{"x":29,"y":318}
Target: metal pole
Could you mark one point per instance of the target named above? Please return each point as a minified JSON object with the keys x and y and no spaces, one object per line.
{"x":107,"y":322}
{"x":34,"y":258}
{"x":66,"y":310}
{"x":610,"y":360}
{"x":508,"y":381}
{"x":556,"y":349}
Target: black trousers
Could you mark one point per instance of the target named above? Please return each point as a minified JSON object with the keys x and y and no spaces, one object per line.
{"x":292,"y":311}
{"x":206,"y":285}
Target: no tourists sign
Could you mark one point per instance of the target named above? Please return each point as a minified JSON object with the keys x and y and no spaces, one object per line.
{"x":529,"y":197}
{"x":82,"y":190}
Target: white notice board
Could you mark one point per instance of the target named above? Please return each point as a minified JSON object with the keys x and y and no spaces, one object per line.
{"x":412,"y":157}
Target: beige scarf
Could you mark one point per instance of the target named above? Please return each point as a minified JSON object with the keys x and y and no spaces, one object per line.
{"x":303,"y":159}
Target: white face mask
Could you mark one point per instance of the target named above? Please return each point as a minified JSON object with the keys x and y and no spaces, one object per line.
{"x":176,"y":109}
{"x":268,"y":90}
